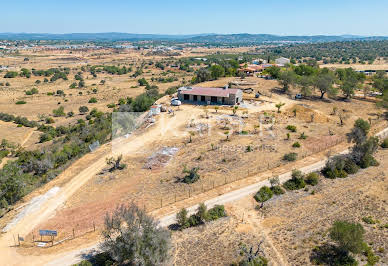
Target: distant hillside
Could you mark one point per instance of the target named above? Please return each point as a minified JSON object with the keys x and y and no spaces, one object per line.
{"x":242,"y":38}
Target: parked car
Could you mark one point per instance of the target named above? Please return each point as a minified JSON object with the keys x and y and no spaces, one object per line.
{"x":257,"y":95}
{"x":176,"y":102}
{"x":298,"y":96}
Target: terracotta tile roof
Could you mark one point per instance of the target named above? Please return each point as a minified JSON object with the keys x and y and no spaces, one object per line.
{"x":219,"y":92}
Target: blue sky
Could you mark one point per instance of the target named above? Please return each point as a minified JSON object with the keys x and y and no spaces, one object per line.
{"x":283,"y":17}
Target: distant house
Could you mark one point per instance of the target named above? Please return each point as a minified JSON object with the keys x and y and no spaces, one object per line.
{"x":282,"y":61}
{"x":202,"y":95}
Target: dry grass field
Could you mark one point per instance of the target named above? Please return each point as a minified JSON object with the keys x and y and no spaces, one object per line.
{"x":292,"y":224}
{"x":226,"y":146}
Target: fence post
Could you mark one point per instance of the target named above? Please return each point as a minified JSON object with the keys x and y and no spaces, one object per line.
{"x":18,"y":240}
{"x":161,"y":202}
{"x":73,"y":233}
{"x":94,"y":227}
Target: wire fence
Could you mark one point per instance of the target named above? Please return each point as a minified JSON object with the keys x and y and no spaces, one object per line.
{"x":179,"y":191}
{"x":171,"y":194}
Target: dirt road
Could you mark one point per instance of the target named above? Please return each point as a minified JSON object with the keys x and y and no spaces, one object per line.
{"x":164,"y":129}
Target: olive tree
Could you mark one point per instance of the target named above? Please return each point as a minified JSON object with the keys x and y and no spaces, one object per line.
{"x":132,"y":237}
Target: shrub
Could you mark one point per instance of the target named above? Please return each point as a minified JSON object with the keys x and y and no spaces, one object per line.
{"x":335,"y":167}
{"x":171,"y":90}
{"x":351,"y":167}
{"x":32,"y":91}
{"x":296,"y":182}
{"x":384,"y":144}
{"x":131,"y":236}
{"x":218,"y":211}
{"x":111,"y":105}
{"x":21,"y":102}
{"x":312,"y":179}
{"x":192,"y":175}
{"x":291,"y":128}
{"x":349,"y":236}
{"x":264,"y":194}
{"x":49,"y":120}
{"x":182,"y":219}
{"x":83,"y":109}
{"x":143,"y":82}
{"x":296,"y":145}
{"x":50,"y":93}
{"x":292,"y":156}
{"x":194,"y":220}
{"x":70,"y":114}
{"x":368,"y":220}
{"x":303,"y":136}
{"x":367,"y":161}
{"x":59,"y":112}
{"x":11,"y":74}
{"x":277,"y":190}
{"x":92,"y":100}
{"x":202,"y":212}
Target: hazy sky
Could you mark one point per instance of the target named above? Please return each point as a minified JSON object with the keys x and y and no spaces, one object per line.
{"x":283,"y":17}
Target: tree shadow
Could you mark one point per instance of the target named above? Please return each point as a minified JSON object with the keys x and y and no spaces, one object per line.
{"x":328,"y":254}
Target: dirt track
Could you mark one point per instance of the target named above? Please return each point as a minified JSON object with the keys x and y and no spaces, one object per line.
{"x":77,"y":180}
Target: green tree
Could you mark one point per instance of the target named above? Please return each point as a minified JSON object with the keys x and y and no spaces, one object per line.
{"x":182,"y":219}
{"x":324,"y":82}
{"x":287,"y":78}
{"x":132,"y":237}
{"x":348,"y":236}
{"x":217,"y":71}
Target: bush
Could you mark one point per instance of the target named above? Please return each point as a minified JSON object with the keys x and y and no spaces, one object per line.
{"x":194,"y":220}
{"x":21,"y":102}
{"x":292,"y":156}
{"x":349,"y":236}
{"x":171,"y":90}
{"x":368,"y":220}
{"x":143,"y":82}
{"x":111,"y":105}
{"x":182,"y":219}
{"x":11,"y":74}
{"x":351,"y":167}
{"x":291,"y":128}
{"x":296,"y":145}
{"x":59,"y":112}
{"x":83,"y":109}
{"x":264,"y":194}
{"x":335,"y":167}
{"x":218,"y":211}
{"x":70,"y":114}
{"x":302,"y":136}
{"x":277,"y":190}
{"x":384,"y":144}
{"x":192,"y":175}
{"x":32,"y":91}
{"x":367,"y":161}
{"x":131,"y":236}
{"x":312,"y":179}
{"x":49,"y":120}
{"x":296,"y":182}
{"x":92,"y":100}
